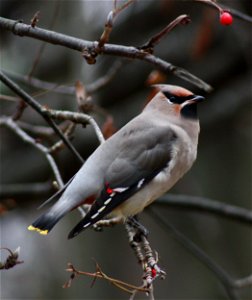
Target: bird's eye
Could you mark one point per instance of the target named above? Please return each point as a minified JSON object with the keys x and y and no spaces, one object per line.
{"x":172,"y":99}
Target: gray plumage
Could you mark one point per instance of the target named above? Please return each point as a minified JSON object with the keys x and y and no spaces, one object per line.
{"x":136,"y":165}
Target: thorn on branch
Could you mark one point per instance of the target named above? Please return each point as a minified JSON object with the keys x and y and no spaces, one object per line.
{"x":89,"y":55}
{"x":85,"y":104}
{"x":11,"y":260}
{"x":35,"y":19}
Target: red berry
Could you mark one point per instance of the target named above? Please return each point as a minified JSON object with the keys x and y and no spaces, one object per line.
{"x":226,"y":18}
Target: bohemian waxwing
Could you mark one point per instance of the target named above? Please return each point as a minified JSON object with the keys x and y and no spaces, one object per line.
{"x":135,"y":166}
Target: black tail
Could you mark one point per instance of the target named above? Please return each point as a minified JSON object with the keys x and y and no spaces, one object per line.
{"x":45,"y":222}
{"x":83,"y":224}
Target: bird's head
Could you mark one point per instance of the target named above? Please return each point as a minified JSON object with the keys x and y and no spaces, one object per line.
{"x":178,"y":100}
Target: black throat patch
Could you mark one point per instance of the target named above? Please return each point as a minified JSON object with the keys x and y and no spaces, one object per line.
{"x":190,"y":111}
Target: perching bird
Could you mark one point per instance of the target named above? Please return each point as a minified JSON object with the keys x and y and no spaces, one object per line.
{"x":135,"y":166}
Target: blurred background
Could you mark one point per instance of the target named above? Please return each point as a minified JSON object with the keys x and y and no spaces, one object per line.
{"x":221,"y":56}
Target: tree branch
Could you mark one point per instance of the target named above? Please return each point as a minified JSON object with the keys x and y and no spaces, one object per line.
{"x":155,"y":40}
{"x":62,"y":88}
{"x":76,"y":118}
{"x":14,"y":190}
{"x":207,"y":205}
{"x":109,"y":49}
{"x":9,"y":123}
{"x":39,"y":109}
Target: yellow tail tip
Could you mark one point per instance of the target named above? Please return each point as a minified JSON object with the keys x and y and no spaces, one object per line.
{"x":43,"y":232}
{"x":31,"y":228}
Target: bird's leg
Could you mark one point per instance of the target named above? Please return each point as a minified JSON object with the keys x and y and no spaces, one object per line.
{"x":139,"y":228}
{"x":135,"y":245}
{"x":138,"y":241}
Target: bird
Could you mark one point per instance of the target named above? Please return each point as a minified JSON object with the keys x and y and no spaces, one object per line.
{"x":135,"y":166}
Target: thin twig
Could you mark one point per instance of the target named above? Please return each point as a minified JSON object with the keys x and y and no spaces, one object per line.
{"x":14,"y":190}
{"x":108,"y":49}
{"x":110,"y":22}
{"x":76,"y":118}
{"x":59,"y":145}
{"x":243,"y":282}
{"x":39,"y":109}
{"x":127,"y":287}
{"x":43,"y":45}
{"x":19,"y":111}
{"x":107,"y":78}
{"x":9,"y":123}
{"x":207,"y":205}
{"x":41,"y":131}
{"x":64,"y":89}
{"x":155,"y":40}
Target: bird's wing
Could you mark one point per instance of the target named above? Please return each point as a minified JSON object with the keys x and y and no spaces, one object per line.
{"x":143,"y":154}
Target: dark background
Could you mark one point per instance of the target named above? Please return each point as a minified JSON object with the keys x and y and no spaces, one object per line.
{"x":220,"y":55}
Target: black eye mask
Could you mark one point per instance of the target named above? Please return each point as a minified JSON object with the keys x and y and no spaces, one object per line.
{"x":177,"y":99}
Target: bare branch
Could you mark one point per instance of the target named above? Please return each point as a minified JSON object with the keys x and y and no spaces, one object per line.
{"x":41,"y":84}
{"x":107,"y":78}
{"x":39,"y":109}
{"x":41,"y":131}
{"x":34,"y":23}
{"x":110,"y":22}
{"x":129,"y":288}
{"x":9,"y":123}
{"x":20,"y":109}
{"x":207,"y":205}
{"x":243,"y":282}
{"x":8,"y":98}
{"x":15,"y":190}
{"x":64,"y":89}
{"x":182,"y":19}
{"x":59,"y":145}
{"x":108,"y":49}
{"x":76,"y":118}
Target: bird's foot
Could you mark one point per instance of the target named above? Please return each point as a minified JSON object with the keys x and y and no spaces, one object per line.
{"x":151,"y":273}
{"x":151,"y":268}
{"x":142,"y":249}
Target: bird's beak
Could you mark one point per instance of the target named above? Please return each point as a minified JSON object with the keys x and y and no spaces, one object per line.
{"x":197,"y":98}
